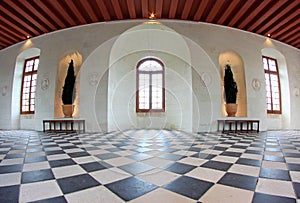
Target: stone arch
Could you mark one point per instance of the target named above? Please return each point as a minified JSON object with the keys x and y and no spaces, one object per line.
{"x":16,"y":120}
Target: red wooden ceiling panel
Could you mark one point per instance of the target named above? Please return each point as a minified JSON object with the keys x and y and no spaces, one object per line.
{"x":19,"y":18}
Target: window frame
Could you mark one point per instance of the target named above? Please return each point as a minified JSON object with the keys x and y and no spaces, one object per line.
{"x":276,"y":73}
{"x":138,"y":72}
{"x":33,"y":72}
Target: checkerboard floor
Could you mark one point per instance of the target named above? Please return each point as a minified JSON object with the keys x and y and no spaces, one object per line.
{"x":149,"y":166}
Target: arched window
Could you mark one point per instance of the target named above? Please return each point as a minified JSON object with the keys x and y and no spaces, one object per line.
{"x":272,"y":85}
{"x":29,"y":85}
{"x":150,"y":95}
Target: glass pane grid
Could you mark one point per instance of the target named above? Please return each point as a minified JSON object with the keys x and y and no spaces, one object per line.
{"x":29,"y":85}
{"x":272,"y":85}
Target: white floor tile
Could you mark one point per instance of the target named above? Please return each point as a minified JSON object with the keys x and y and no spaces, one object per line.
{"x":93,"y":195}
{"x":275,"y":187}
{"x":39,"y":190}
{"x":225,"y":194}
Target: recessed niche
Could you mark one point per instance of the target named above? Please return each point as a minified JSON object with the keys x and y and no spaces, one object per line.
{"x":237,"y":67}
{"x":60,"y":79}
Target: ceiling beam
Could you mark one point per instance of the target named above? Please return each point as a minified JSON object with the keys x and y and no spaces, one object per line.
{"x":75,"y":10}
{"x":145,"y":9}
{"x":89,"y":9}
{"x":275,"y":6}
{"x":131,"y":8}
{"x":14,"y":26}
{"x":202,"y":6}
{"x":289,"y":26}
{"x":49,"y":12}
{"x":214,"y":11}
{"x":290,"y":35}
{"x":62,"y":11}
{"x":103,"y":10}
{"x":241,"y":12}
{"x":158,"y":8}
{"x":253,"y":14}
{"x":186,"y":9}
{"x":280,"y":14}
{"x":281,"y":24}
{"x":10,"y":34}
{"x":173,"y":8}
{"x":117,"y":9}
{"x":24,"y":24}
{"x":38,"y":14}
{"x":227,"y":12}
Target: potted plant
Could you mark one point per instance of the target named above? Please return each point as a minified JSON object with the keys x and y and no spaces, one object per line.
{"x":68,"y":94}
{"x":231,"y":90}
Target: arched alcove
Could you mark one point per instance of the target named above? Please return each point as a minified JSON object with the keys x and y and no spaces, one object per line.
{"x":60,"y":79}
{"x":17,"y":121}
{"x":151,"y":40}
{"x":280,"y":121}
{"x":237,"y":66}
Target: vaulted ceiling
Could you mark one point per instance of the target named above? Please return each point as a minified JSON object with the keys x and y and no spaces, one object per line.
{"x":22,"y":18}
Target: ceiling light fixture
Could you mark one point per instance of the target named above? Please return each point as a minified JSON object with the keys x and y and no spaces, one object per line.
{"x":152,"y":16}
{"x":269,"y":35}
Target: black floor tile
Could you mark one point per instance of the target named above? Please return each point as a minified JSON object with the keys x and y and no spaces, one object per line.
{"x":295,"y":155}
{"x":294,"y":167}
{"x":94,"y":166}
{"x":54,"y":152}
{"x":76,"y":183}
{"x":180,"y":168}
{"x":136,"y":168}
{"x":274,"y":158}
{"x":78,"y":154}
{"x":32,"y":159}
{"x":60,"y":199}
{"x":13,"y":156}
{"x":107,"y":156}
{"x":249,"y":162}
{"x":297,"y":189}
{"x":275,"y":174}
{"x":234,"y":154}
{"x":239,"y":181}
{"x":254,"y":152}
{"x":35,"y":176}
{"x":265,"y":198}
{"x":11,"y":168}
{"x":62,"y":162}
{"x":189,"y":187}
{"x":9,"y":194}
{"x":217,"y":165}
{"x":130,"y":188}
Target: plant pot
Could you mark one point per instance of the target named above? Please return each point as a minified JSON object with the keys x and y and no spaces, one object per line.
{"x":68,"y":110}
{"x":231,"y":109}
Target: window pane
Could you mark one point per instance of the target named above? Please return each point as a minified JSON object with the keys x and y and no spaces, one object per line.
{"x":36,"y":64}
{"x":150,"y":85}
{"x":272,"y":85}
{"x":29,"y":85}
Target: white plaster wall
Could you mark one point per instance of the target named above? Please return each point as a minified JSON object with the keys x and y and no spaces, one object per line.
{"x":146,"y":41}
{"x":212,"y":39}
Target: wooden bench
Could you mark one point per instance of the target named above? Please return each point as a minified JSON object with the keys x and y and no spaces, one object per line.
{"x":64,"y":125}
{"x":238,"y":125}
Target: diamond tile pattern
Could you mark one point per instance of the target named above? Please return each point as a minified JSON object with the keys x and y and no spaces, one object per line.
{"x":135,"y":165}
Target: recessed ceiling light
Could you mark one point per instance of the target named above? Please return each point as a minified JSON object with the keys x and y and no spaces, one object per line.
{"x":269,"y":35}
